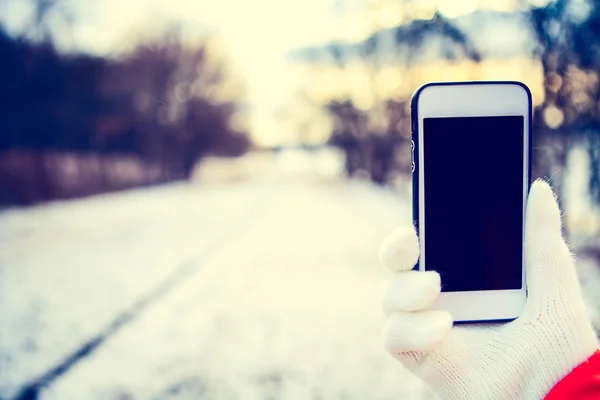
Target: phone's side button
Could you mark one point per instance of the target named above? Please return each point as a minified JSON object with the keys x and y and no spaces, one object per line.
{"x":412,"y":156}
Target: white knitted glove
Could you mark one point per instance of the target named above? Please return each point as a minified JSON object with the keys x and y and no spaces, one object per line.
{"x":522,"y":359}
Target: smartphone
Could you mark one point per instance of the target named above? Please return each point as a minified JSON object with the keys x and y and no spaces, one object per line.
{"x":471,"y":147}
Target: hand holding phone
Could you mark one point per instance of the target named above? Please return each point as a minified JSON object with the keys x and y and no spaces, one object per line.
{"x":522,"y":359}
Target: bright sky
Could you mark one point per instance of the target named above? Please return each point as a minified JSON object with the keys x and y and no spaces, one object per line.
{"x":257,"y":34}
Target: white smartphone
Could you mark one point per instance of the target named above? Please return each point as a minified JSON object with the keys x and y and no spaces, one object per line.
{"x":471,"y":146}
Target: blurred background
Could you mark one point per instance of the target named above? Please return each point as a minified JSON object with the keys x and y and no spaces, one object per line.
{"x":192,"y":192}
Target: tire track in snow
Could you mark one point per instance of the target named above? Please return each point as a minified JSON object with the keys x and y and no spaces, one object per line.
{"x":32,"y":390}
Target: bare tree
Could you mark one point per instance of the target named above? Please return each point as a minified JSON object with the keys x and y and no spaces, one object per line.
{"x":569,"y":50}
{"x":376,"y":139}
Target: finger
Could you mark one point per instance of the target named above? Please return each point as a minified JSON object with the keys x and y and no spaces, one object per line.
{"x":549,"y":265}
{"x":416,"y":332}
{"x":411,"y":291}
{"x":400,"y":250}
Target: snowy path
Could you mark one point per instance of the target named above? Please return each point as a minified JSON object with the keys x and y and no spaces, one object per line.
{"x":274,"y":294}
{"x":69,"y":269}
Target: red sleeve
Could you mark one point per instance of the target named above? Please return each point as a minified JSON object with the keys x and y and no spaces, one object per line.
{"x":583,"y":383}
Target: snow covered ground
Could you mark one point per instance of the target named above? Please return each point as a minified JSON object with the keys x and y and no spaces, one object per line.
{"x":247,"y":290}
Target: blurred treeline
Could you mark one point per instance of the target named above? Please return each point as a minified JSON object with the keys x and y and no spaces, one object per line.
{"x":376,"y":139}
{"x":75,"y":124}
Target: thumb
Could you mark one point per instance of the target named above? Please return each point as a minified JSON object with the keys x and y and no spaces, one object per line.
{"x":549,"y":265}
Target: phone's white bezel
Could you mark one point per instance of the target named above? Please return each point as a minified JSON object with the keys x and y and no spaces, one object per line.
{"x":469,"y":100}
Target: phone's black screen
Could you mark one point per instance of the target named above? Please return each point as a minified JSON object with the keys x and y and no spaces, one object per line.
{"x":473,"y":192}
